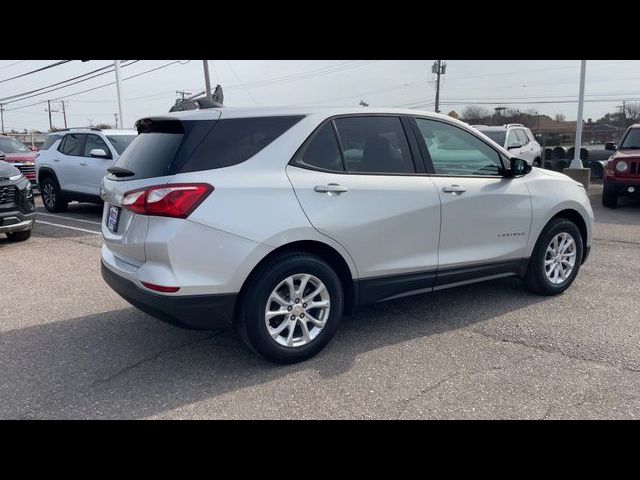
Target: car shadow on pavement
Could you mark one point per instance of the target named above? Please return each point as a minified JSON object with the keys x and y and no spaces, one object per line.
{"x":125,"y":364}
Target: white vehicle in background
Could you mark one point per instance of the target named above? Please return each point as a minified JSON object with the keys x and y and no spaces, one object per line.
{"x":516,"y":138}
{"x":73,"y":162}
{"x":278,"y":220}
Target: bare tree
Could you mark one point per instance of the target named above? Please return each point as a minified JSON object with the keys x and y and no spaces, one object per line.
{"x":475,"y":114}
{"x":559,"y":117}
{"x":453,"y":114}
{"x":632,"y":112}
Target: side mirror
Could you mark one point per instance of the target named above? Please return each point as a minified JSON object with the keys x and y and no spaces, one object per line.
{"x":610,"y":146}
{"x":98,"y":152}
{"x":517,"y":168}
{"x":514,"y":145}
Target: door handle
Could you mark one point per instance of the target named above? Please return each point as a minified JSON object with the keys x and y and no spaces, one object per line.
{"x":454,"y":189}
{"x":83,"y":164}
{"x":56,"y":159}
{"x":332,"y":188}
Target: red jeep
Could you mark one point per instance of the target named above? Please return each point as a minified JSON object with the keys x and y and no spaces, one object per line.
{"x":20,"y":156}
{"x":622,"y":170}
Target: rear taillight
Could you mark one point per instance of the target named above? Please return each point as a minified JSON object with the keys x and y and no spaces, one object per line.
{"x":175,"y":200}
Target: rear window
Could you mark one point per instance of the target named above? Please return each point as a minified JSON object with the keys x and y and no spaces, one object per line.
{"x":50,"y":140}
{"x":497,"y":136}
{"x":121,"y":142}
{"x":167,"y":147}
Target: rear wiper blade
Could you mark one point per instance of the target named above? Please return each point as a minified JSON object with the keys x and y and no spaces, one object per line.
{"x":120,"y":172}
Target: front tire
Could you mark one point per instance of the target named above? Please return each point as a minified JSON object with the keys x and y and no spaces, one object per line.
{"x":52,"y":196}
{"x":19,"y":236}
{"x":609,"y":197}
{"x":556,"y":258}
{"x":291,"y":307}
{"x":537,"y":163}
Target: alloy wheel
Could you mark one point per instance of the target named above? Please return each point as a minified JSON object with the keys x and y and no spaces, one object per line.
{"x":297,"y":310}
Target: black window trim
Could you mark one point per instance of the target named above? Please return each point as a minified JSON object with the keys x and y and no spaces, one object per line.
{"x":64,"y":141}
{"x":427,"y":158}
{"x":415,"y":157}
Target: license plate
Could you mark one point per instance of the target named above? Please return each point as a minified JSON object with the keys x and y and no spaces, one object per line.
{"x":112,"y":219}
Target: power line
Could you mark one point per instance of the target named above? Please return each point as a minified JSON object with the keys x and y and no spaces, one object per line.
{"x":36,"y":71}
{"x":26,"y":95}
{"x":98,"y":87}
{"x":239,"y":80}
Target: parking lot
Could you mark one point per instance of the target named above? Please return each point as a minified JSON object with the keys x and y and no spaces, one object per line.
{"x":72,"y":348}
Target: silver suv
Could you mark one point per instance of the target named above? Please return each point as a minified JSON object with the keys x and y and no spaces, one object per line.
{"x":278,"y":220}
{"x":73,"y":162}
{"x":516,"y":138}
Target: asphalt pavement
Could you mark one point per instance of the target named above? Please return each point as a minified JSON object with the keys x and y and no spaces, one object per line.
{"x":72,"y":348}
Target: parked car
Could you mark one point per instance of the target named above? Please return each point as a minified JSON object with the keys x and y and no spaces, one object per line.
{"x":73,"y":162}
{"x":278,"y":220}
{"x":16,"y":203}
{"x":516,"y":138}
{"x":622,"y":170}
{"x":20,"y":156}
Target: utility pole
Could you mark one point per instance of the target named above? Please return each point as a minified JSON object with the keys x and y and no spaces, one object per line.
{"x":49,"y":110}
{"x":64,"y":114}
{"x":207,"y":82}
{"x":115,"y":115}
{"x":2,"y":116}
{"x":439,"y":68}
{"x":119,"y":90}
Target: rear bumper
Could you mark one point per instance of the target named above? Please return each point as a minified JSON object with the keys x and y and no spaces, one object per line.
{"x":201,"y":312}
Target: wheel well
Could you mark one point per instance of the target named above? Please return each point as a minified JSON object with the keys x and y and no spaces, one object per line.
{"x":576,"y":218}
{"x":46,"y":173}
{"x":329,"y":255}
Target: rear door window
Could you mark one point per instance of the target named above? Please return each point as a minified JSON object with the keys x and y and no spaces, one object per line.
{"x":322,"y":151}
{"x":73,"y":144}
{"x":375,"y":144}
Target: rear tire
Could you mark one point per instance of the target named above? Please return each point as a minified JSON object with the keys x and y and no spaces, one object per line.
{"x":52,"y":196}
{"x":537,"y":163}
{"x":539,"y":277}
{"x":292,"y":336}
{"x":609,"y":197}
{"x":19,"y":236}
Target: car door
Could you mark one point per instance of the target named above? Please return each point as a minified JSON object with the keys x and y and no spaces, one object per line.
{"x":94,"y":168}
{"x":485,"y":217}
{"x":360,"y":181}
{"x":66,"y":161}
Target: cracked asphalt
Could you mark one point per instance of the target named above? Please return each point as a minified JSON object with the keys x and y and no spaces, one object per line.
{"x":71,"y":348}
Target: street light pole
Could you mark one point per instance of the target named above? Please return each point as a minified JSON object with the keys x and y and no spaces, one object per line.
{"x":576,"y":162}
{"x":119,"y":91}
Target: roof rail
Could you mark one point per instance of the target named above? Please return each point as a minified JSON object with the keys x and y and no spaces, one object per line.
{"x":513,"y":125}
{"x":79,"y":128}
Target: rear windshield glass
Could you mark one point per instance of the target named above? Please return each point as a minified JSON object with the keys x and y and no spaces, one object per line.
{"x":199,"y":145}
{"x":50,"y":140}
{"x":120,"y":142}
{"x":496,"y":136}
